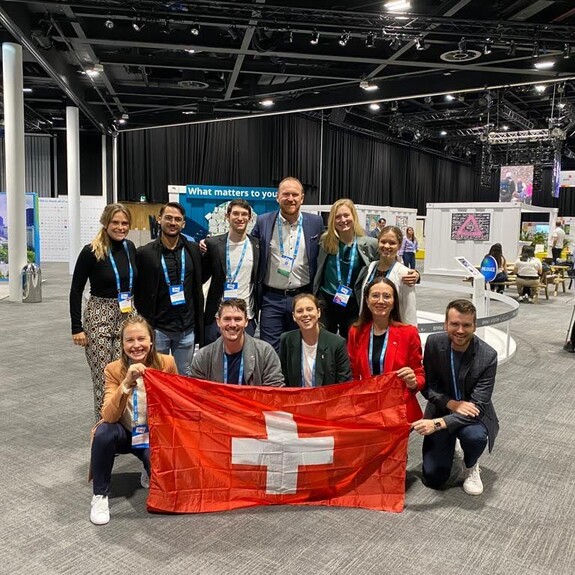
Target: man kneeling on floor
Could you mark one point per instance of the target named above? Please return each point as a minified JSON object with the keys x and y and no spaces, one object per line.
{"x":236,"y":357}
{"x":460,"y":374}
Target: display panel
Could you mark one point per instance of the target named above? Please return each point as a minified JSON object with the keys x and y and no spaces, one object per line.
{"x":516,"y":184}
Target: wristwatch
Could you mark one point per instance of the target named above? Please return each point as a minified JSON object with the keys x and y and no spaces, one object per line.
{"x":437,"y":424}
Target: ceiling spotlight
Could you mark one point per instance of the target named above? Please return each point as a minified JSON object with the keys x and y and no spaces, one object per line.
{"x":27,"y":90}
{"x":487,"y":47}
{"x":190,"y":50}
{"x":374,"y":107}
{"x":427,"y":99}
{"x":370,"y":40}
{"x":420,"y":44}
{"x":95,"y":70}
{"x":138,"y":25}
{"x":511,"y":50}
{"x":567,"y":51}
{"x":233,"y":32}
{"x":545,"y":64}
{"x":267,"y":103}
{"x":290,"y":37}
{"x":109,"y":24}
{"x":367,"y":86}
{"x":396,"y":43}
{"x":561,"y":105}
{"x":535,"y":49}
{"x":443,"y":133}
{"x":195,"y":30}
{"x":397,"y":5}
{"x":505,"y":127}
{"x":189,"y":112}
{"x":314,"y":38}
{"x":462,"y":46}
{"x":449,"y":97}
{"x":343,"y":39}
{"x":540,"y":88}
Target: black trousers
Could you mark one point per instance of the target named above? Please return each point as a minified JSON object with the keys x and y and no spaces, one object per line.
{"x":336,"y":318}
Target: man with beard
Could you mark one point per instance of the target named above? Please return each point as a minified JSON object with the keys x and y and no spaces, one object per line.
{"x":169,"y":288}
{"x":236,"y":357}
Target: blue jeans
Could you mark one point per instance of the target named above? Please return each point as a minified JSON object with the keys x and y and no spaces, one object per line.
{"x":275,"y":317}
{"x":109,"y":439}
{"x":439,"y":447}
{"x":409,"y":259}
{"x":181,"y":346}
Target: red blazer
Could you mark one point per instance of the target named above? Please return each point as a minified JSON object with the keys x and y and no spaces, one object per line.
{"x":403,"y":350}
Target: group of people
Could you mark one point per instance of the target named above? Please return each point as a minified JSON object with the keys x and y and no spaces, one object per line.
{"x":333,"y":306}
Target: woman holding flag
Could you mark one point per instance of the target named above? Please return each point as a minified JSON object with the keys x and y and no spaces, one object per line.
{"x":311,"y":356}
{"x":123,"y":427}
{"x":379,"y":343}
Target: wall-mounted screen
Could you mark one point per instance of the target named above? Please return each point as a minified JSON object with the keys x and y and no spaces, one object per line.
{"x":516,"y":184}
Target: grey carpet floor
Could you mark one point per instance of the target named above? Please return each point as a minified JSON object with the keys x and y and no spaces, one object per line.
{"x":524,"y":523}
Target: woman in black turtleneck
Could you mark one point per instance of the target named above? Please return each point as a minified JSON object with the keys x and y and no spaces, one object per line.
{"x":109,"y":262}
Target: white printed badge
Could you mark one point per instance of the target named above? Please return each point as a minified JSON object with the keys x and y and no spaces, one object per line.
{"x":140,"y":436}
{"x":125,"y":302}
{"x":342,"y":295}
{"x":177,"y":296}
{"x":286,"y":265}
{"x":230,"y":290}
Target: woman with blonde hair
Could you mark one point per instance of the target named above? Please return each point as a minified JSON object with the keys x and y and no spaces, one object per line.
{"x":345,"y":250}
{"x":109,"y":263}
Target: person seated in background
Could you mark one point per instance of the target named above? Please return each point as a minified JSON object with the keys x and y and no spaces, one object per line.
{"x":311,"y":356}
{"x":409,"y":248}
{"x":344,"y":251}
{"x":236,"y":357}
{"x":496,"y":252}
{"x":528,"y":269}
{"x":379,"y":343}
{"x":123,"y":427}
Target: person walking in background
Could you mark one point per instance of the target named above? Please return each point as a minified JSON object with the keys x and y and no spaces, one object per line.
{"x":528,"y":269}
{"x":109,"y":263}
{"x":124,"y":424}
{"x":289,"y":247}
{"x":380,"y":343}
{"x":169,"y":289}
{"x":557,"y":241}
{"x":312,"y":356}
{"x":344,"y":251}
{"x":496,"y":252}
{"x":409,"y":248}
{"x":231,"y":261}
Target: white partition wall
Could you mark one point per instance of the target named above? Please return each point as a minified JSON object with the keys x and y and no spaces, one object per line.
{"x":469,"y":230}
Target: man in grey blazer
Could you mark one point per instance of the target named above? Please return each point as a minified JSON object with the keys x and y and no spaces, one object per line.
{"x":460,"y":373}
{"x":236,"y":357}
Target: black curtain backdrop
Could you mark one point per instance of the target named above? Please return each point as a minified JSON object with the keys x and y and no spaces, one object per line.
{"x":262,"y":151}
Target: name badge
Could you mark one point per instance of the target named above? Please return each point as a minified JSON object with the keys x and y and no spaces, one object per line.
{"x":125,"y":302}
{"x":342,"y":295}
{"x":177,"y":296}
{"x":286,"y":265}
{"x":140,"y":436}
{"x":230,"y":290}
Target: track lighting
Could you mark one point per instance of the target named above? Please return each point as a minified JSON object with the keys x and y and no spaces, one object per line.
{"x":512,"y":49}
{"x":368,"y":87}
{"x":267,"y":103}
{"x":314,"y":38}
{"x":487,"y":47}
{"x":343,"y":39}
{"x":462,"y":46}
{"x":290,"y":37}
{"x":109,"y":24}
{"x":567,"y":51}
{"x":195,"y":30}
{"x":544,"y":65}
{"x":535,"y":49}
{"x":233,"y":32}
{"x":394,"y":106}
{"x":420,"y":44}
{"x":395,"y":43}
{"x":370,"y":40}
{"x":375,"y":107}
{"x":138,"y":25}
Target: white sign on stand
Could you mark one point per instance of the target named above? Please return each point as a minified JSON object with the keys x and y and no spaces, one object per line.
{"x":479,"y":298}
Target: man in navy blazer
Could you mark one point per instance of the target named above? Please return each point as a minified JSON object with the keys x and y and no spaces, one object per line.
{"x":460,"y":373}
{"x":289,"y":247}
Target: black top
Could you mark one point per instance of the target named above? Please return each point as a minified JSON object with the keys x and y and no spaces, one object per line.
{"x":101,"y":276}
{"x":175,"y":318}
{"x":378,"y":341}
{"x":234,"y":360}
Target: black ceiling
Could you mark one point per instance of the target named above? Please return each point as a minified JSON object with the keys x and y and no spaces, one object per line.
{"x":203,"y":60}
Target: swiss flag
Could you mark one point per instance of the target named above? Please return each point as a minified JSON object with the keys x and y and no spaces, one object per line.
{"x":216,"y":447}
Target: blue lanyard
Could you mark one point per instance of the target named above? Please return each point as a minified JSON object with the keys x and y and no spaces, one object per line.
{"x":183,"y":267}
{"x":351,"y":262}
{"x":115,"y":268}
{"x":387,"y":273}
{"x":313,"y":380}
{"x":241,"y":375}
{"x":233,"y":278}
{"x":135,"y":405}
{"x":383,"y":350}
{"x":281,"y":239}
{"x":454,"y":380}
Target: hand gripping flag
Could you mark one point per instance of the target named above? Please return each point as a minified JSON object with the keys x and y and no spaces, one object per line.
{"x":216,"y":447}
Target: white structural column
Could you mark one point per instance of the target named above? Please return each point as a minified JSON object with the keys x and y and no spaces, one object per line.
{"x":73,"y":162}
{"x":15,"y":178}
{"x":115,"y":168}
{"x":104,"y":170}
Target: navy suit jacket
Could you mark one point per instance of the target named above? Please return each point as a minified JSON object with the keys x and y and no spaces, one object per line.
{"x":214,"y":266}
{"x":312,"y":229}
{"x":476,"y":380}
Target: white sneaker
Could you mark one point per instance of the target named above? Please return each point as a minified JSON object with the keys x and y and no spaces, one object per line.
{"x":100,"y":513}
{"x":145,"y":479}
{"x":458,"y":449}
{"x":473,"y":484}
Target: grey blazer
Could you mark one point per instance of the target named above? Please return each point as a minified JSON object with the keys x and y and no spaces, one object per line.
{"x":367,"y":250}
{"x":261,"y":363}
{"x":476,"y":379}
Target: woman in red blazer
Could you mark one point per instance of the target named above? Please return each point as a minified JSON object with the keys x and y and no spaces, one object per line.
{"x":379,"y":343}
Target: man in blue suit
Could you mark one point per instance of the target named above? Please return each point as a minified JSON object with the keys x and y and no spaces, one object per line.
{"x":289,"y":247}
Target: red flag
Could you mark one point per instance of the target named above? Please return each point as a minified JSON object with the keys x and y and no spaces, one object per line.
{"x":216,"y":447}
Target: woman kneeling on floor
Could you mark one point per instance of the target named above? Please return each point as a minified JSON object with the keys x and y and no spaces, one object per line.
{"x":123,"y":427}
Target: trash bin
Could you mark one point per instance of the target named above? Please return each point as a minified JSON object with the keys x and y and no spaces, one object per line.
{"x":31,"y":284}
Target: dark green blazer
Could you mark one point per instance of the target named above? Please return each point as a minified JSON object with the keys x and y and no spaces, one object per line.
{"x":332,"y":362}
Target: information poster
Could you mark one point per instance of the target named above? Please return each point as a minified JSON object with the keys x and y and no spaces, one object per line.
{"x":466,"y":226}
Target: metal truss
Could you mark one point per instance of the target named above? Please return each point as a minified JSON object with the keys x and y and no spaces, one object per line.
{"x":498,"y":138}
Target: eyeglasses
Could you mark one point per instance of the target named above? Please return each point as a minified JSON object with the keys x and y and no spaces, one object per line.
{"x":177,"y":219}
{"x":378,"y":296}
